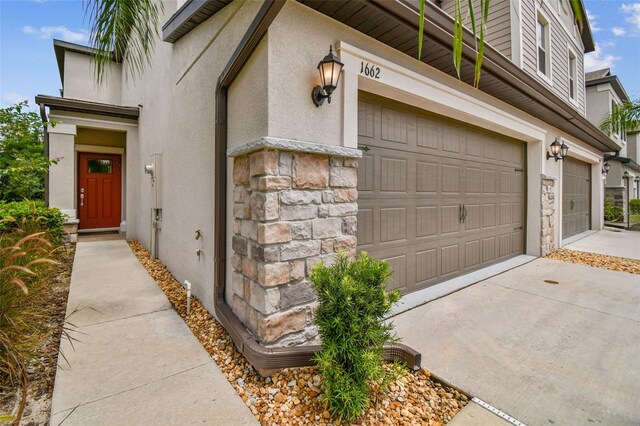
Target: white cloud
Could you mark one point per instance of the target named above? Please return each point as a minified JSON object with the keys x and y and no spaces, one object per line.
{"x":598,"y":60}
{"x":593,"y":22}
{"x":632,"y":10}
{"x":12,"y":98}
{"x":617,"y":31}
{"x":58,"y":31}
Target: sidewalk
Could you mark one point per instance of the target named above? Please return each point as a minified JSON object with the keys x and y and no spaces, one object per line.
{"x":137,"y":362}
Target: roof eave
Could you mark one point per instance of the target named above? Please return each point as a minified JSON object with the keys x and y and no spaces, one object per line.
{"x":87,"y":107}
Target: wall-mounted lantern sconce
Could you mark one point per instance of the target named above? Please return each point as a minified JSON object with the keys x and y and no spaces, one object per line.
{"x":625,"y":174}
{"x":558,"y":150}
{"x":637,"y":179}
{"x":606,"y":168}
{"x":329,"y":69}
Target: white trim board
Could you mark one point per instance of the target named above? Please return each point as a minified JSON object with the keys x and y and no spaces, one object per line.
{"x":421,"y":297}
{"x":99,"y":149}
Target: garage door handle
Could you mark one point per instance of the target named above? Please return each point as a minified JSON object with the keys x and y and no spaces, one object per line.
{"x":464,"y":213}
{"x":461,"y":213}
{"x":572,"y":204}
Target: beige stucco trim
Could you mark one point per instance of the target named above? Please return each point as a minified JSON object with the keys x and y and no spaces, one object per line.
{"x":402,"y":84}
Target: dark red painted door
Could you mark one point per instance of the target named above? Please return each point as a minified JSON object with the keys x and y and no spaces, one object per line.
{"x":99,"y":190}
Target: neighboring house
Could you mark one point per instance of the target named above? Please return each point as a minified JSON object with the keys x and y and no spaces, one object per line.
{"x":604,"y":91}
{"x":253,"y":184}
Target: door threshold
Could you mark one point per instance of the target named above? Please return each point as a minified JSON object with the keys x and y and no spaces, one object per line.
{"x":95,"y":230}
{"x":436,"y":291}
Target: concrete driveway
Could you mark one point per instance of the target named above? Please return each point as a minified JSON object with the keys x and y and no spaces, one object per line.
{"x":617,"y":242}
{"x":564,"y":354}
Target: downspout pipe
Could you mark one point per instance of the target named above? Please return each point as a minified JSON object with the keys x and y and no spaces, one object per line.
{"x":45,"y":120}
{"x":265,"y":360}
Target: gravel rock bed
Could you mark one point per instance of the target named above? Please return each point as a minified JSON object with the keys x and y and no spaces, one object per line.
{"x":294,"y":396}
{"x":612,"y":263}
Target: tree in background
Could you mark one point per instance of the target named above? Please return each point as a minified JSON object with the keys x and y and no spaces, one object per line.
{"x":22,"y":160}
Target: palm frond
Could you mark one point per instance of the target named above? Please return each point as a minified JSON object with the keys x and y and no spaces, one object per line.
{"x":123,"y":30}
{"x":623,"y":118}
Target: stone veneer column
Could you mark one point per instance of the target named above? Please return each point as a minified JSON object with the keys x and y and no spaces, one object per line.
{"x":291,"y":210}
{"x":547,"y":237}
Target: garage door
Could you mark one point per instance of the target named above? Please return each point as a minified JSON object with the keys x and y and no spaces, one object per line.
{"x":437,"y":198}
{"x":576,"y":197}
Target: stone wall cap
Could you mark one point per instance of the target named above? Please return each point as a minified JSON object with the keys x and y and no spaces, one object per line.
{"x":547,"y":177}
{"x":72,"y":221}
{"x":293,"y":145}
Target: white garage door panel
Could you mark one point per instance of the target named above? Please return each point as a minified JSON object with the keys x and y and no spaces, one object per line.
{"x":418,"y":172}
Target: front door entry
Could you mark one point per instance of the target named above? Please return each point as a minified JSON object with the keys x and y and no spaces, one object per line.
{"x":99,"y":190}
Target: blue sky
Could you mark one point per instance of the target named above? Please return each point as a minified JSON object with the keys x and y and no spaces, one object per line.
{"x":28,"y":66}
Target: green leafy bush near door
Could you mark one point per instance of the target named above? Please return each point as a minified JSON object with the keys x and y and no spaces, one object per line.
{"x":32,"y":216}
{"x":612,"y":213}
{"x":350,"y":317}
{"x":634,"y":206}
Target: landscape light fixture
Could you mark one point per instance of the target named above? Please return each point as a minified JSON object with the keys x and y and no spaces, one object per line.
{"x":558,"y":150}
{"x":329,"y":69}
{"x":606,"y":168}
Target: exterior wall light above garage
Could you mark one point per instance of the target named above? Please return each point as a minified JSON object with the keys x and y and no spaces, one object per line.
{"x":558,"y":150}
{"x":329,"y":69}
{"x":606,"y":168}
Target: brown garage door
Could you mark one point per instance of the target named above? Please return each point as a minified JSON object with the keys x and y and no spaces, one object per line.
{"x":437,"y":198}
{"x":576,"y":197}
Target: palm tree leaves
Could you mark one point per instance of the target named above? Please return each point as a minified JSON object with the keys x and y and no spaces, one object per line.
{"x":479,"y":30}
{"x":623,"y":118}
{"x":123,"y":30}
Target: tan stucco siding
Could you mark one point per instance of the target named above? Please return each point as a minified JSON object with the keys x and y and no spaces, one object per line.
{"x":177,"y":119}
{"x":79,"y":81}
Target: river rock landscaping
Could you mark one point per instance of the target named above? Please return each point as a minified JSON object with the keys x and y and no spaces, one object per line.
{"x":602,"y":261}
{"x":294,"y":396}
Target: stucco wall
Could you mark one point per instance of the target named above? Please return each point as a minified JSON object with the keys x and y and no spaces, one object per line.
{"x":79,"y":81}
{"x":177,"y":119}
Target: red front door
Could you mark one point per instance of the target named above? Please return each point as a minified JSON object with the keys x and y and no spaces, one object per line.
{"x":99,"y":190}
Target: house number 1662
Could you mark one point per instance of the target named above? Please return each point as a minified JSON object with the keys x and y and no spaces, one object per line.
{"x":369,"y":70}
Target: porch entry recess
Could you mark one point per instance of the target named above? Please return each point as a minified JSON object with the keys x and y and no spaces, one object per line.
{"x":99,"y":190}
{"x":437,"y":198}
{"x":576,"y":197}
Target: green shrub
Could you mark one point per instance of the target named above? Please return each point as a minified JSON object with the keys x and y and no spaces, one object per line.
{"x":634,"y":206}
{"x":32,"y":216}
{"x":612,"y":213}
{"x":353,"y":304}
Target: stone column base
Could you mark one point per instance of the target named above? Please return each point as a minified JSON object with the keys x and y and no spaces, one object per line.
{"x":547,"y":236}
{"x":71,"y":231}
{"x":292,"y":209}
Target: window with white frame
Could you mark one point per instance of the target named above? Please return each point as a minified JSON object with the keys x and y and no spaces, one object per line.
{"x":573,"y":86}
{"x":544,"y":51}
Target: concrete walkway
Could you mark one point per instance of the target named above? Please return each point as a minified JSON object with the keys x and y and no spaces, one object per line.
{"x":137,"y":362}
{"x":563,"y":354}
{"x":613,"y":243}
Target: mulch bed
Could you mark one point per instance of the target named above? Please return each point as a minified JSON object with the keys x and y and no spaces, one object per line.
{"x":42,"y":370}
{"x":294,"y":396}
{"x":602,"y":261}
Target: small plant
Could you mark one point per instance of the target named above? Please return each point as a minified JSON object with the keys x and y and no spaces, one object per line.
{"x":350,"y":318}
{"x":634,"y":206}
{"x":612,"y":213}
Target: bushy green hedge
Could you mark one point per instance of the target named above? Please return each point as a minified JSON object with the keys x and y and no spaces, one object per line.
{"x":34,"y":216}
{"x":634,"y":206}
{"x":612,"y":213}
